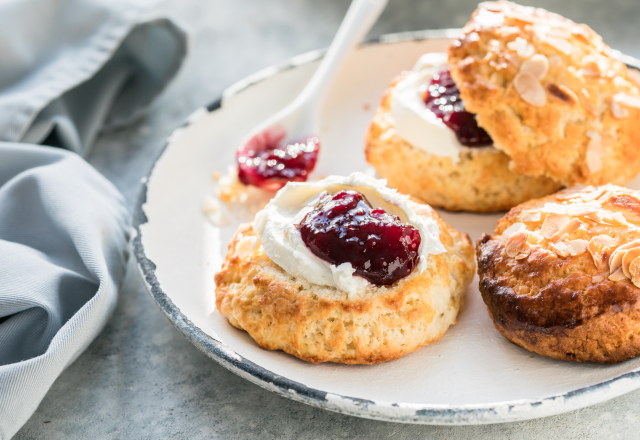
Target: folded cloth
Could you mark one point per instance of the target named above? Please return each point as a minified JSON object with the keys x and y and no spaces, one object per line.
{"x":70,"y":68}
{"x":63,"y":250}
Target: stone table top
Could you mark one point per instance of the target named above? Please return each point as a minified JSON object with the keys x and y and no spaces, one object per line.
{"x":141,"y":378}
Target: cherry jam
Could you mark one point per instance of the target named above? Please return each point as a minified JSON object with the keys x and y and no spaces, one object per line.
{"x":443,"y":98}
{"x":343,"y":228}
{"x":267,"y":162}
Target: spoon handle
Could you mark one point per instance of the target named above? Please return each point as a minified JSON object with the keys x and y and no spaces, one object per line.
{"x":362,"y":14}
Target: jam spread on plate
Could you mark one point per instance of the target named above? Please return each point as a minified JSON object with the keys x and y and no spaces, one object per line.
{"x":266,"y":161}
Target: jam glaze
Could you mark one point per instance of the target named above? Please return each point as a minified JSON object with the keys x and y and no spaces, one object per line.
{"x":267,"y":162}
{"x":344,"y":228}
{"x":442,"y":97}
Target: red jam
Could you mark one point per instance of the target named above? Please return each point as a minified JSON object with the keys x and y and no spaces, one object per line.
{"x":267,"y":162}
{"x":443,"y":99}
{"x":343,"y":228}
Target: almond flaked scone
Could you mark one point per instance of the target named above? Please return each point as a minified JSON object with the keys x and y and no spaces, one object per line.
{"x":550,"y":93}
{"x":561,"y":274}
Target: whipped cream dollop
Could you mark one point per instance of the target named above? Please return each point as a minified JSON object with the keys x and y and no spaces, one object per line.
{"x":414,"y":122}
{"x":282,"y":242}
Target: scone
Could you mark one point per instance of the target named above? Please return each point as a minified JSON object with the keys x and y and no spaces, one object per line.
{"x":561,"y":274}
{"x":550,"y":93}
{"x":345,"y":270}
{"x":421,"y":156}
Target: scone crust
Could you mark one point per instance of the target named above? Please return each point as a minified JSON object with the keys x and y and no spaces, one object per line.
{"x":575,"y":136}
{"x":480,"y":182}
{"x":561,"y":307}
{"x":320,"y":324}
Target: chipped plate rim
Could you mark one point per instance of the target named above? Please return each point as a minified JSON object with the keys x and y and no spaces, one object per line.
{"x":501,"y":412}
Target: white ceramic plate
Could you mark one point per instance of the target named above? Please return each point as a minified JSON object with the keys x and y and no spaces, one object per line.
{"x":472,"y":376}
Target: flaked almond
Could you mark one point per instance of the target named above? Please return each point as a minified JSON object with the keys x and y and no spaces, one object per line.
{"x":592,"y":194}
{"x":516,"y":227}
{"x":534,"y":238}
{"x":579,"y":209}
{"x":531,"y":216}
{"x":635,"y":76}
{"x":530,"y":89}
{"x":595,"y":152}
{"x":577,"y":246}
{"x":488,"y":19}
{"x":517,"y":244}
{"x":559,"y":33}
{"x":604,"y":197}
{"x":600,"y":229}
{"x":512,"y":59}
{"x":629,"y":256}
{"x":627,"y":100}
{"x":618,"y":111}
{"x":561,"y":249}
{"x":626,"y":204}
{"x":593,"y":216}
{"x":597,"y":278}
{"x":560,"y":44}
{"x":563,"y":93}
{"x":591,"y":66}
{"x":521,"y":47}
{"x":491,"y":6}
{"x":552,"y":224}
{"x":600,"y":243}
{"x":571,"y":193}
{"x":581,"y":34}
{"x":506,"y":31}
{"x":555,"y":61}
{"x":585,"y":100}
{"x":618,"y":275}
{"x":615,"y":261}
{"x":619,"y":219}
{"x":606,"y":217}
{"x":537,"y":65}
{"x":568,"y":229}
{"x":634,"y":271}
{"x":525,"y":18}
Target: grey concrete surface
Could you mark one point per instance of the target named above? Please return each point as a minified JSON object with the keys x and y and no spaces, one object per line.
{"x":141,"y":378}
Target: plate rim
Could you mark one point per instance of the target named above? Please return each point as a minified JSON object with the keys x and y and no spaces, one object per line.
{"x":499,"y":412}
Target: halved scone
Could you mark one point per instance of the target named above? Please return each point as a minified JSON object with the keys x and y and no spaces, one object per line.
{"x":474,"y":179}
{"x":323,"y":312}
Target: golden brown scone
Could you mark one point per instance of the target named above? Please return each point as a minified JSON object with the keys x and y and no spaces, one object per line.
{"x":550,"y":94}
{"x":480,"y":182}
{"x":320,"y":324}
{"x":560,"y":275}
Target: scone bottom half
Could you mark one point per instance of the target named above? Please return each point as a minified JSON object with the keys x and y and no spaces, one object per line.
{"x":321,"y":324}
{"x":560,"y":275}
{"x":480,"y":181}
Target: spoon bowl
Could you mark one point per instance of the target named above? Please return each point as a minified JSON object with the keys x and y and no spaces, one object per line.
{"x":285,"y":146}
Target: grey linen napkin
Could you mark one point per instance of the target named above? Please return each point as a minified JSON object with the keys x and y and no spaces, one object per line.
{"x":68,"y":69}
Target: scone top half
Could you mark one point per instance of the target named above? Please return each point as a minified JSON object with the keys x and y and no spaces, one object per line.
{"x":287,"y":298}
{"x":560,"y":275}
{"x":550,"y":93}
